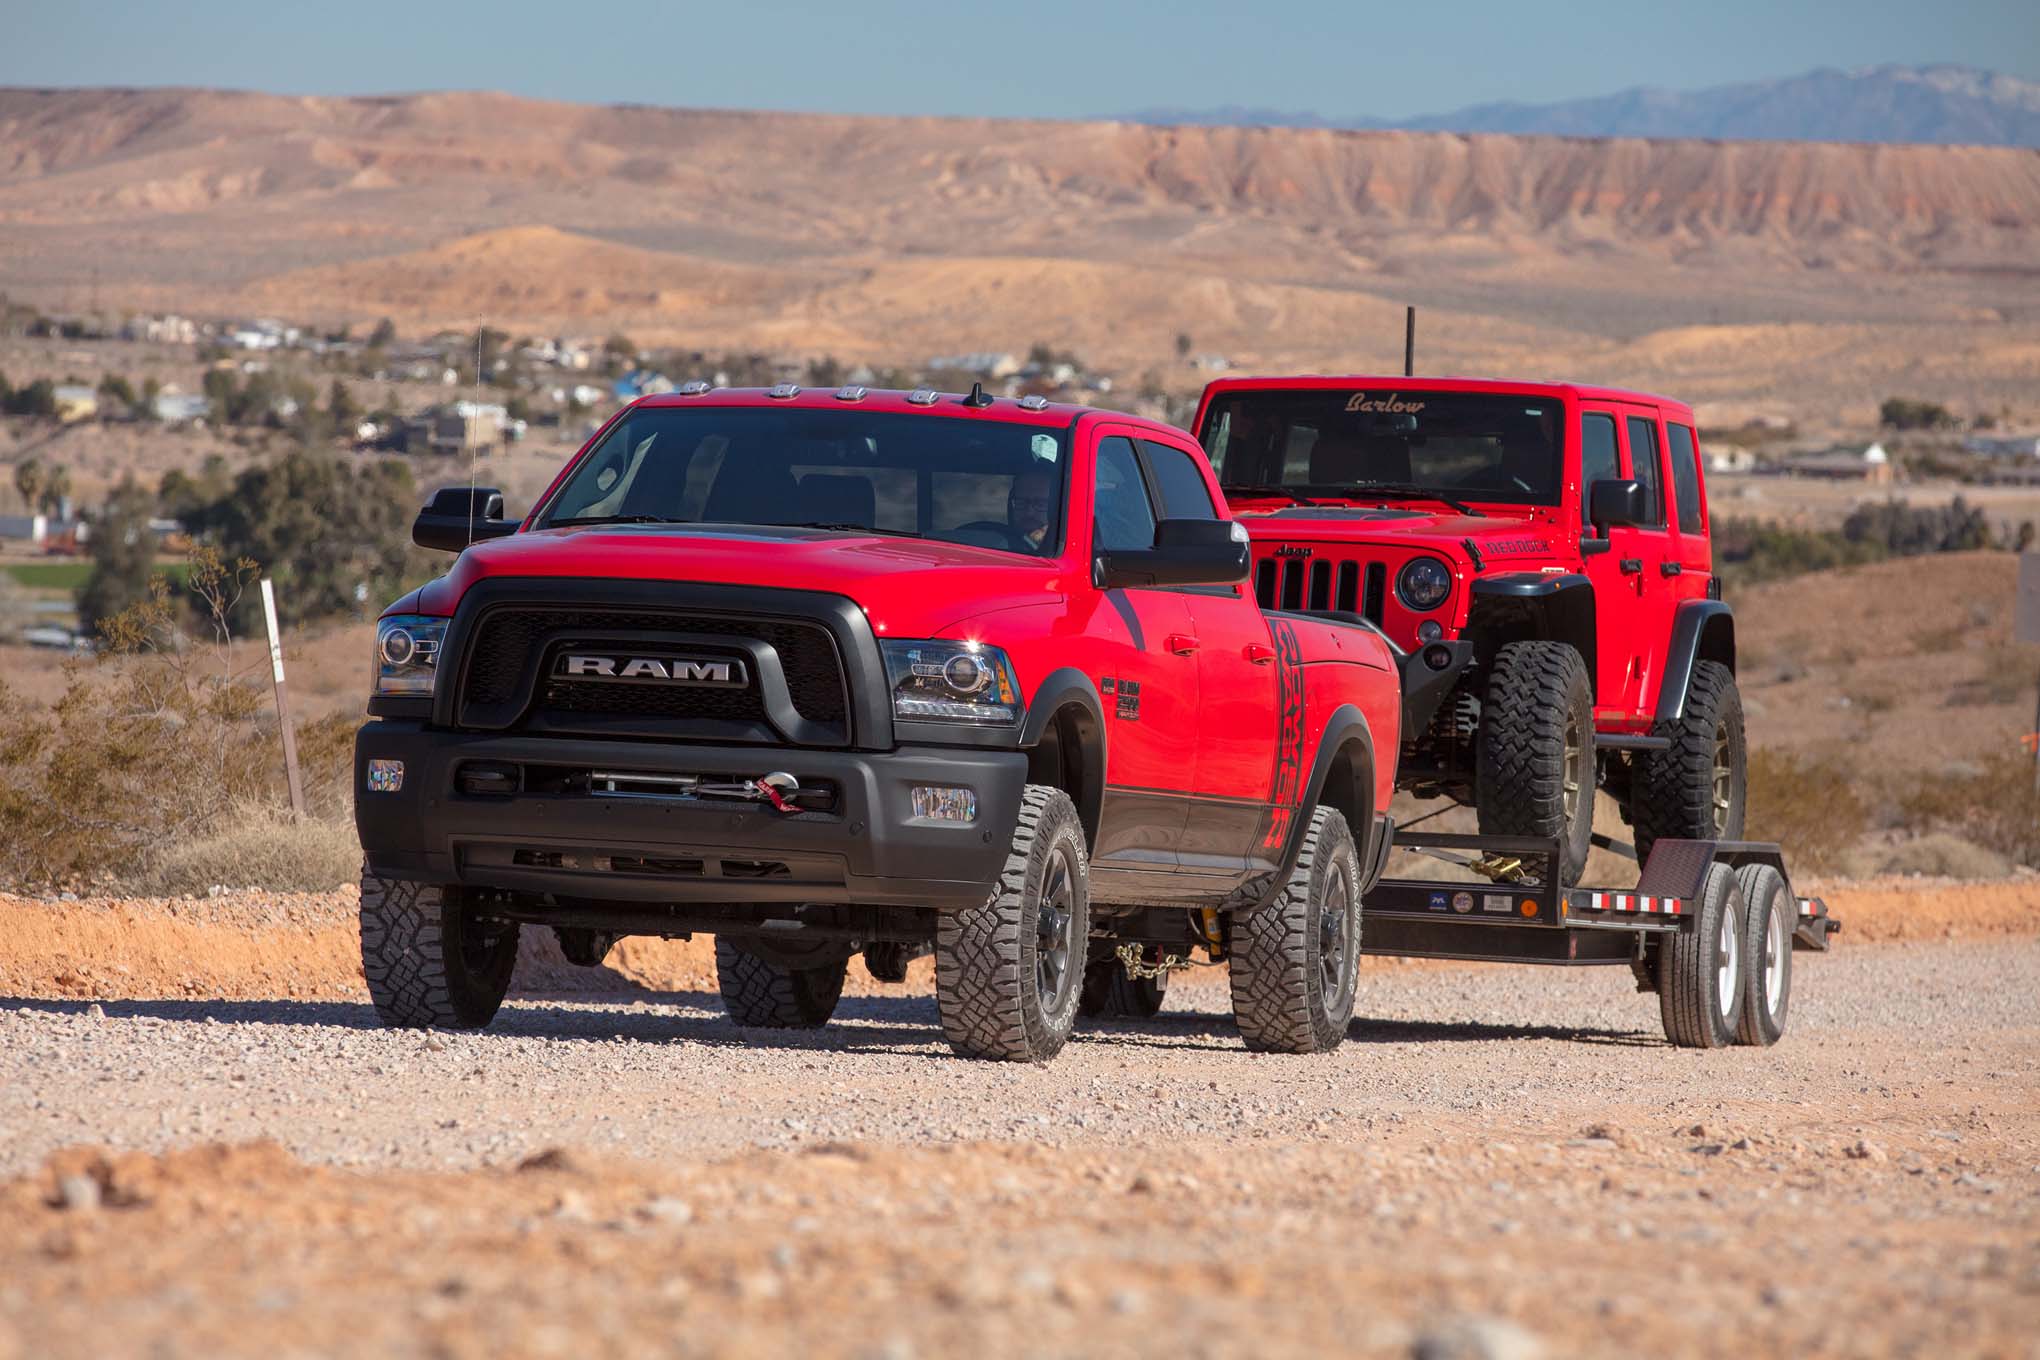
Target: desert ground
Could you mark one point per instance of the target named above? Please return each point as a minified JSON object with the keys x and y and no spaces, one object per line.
{"x":209,"y":1149}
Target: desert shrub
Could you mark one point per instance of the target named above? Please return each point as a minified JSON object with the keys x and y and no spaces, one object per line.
{"x":1940,"y":855}
{"x":1811,"y":807}
{"x":1993,"y":804}
{"x":258,"y":845}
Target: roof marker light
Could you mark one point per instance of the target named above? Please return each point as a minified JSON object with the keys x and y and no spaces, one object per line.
{"x":1034,"y":402}
{"x":923,"y":396}
{"x":694,"y":388}
{"x":784,"y":391}
{"x":852,"y":393}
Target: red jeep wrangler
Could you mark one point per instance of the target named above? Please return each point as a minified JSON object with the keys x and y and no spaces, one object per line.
{"x":829,"y":672}
{"x":1542,"y":549}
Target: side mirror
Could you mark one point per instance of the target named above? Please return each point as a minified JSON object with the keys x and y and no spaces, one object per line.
{"x":1613,"y":501}
{"x":1187,"y":552}
{"x":460,"y":515}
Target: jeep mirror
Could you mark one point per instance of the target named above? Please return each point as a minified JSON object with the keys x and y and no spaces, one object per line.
{"x":1187,"y":552}
{"x":1613,"y":501}
{"x":458,"y":516}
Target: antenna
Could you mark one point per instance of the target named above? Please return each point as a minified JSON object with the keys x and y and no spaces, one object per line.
{"x":467,"y":429}
{"x":1409,"y":343}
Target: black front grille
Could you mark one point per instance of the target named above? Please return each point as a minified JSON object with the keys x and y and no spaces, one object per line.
{"x":1318,"y":585}
{"x":507,"y":636}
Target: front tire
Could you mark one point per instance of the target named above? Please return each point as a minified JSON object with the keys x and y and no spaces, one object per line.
{"x":1009,"y":971}
{"x":430,"y":961}
{"x":1535,"y":775}
{"x":1295,"y":962}
{"x":1694,"y":790}
{"x":1771,"y":917}
{"x":762,"y":993}
{"x":1700,"y":971}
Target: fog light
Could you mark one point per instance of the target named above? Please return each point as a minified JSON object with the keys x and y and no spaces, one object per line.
{"x":942,"y":804}
{"x":1437,"y":656}
{"x":1430,"y":630}
{"x":385,"y":776}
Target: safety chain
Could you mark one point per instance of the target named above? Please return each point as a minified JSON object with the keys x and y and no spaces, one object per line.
{"x":1136,"y":967}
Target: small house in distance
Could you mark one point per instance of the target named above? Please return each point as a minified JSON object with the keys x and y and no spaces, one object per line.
{"x":1871,"y":465}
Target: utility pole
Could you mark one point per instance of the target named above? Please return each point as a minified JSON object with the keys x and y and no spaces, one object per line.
{"x":290,"y":765}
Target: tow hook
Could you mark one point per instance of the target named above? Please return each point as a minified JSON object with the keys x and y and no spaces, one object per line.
{"x":779,"y":789}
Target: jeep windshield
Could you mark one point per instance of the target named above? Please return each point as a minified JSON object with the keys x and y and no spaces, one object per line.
{"x":1454,"y":447}
{"x":984,"y":482}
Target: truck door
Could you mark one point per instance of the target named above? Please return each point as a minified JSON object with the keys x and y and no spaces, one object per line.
{"x":1149,"y":686}
{"x":1236,"y":685}
{"x":1616,"y":571}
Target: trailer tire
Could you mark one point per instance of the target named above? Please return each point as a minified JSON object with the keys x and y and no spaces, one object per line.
{"x":1535,"y":775}
{"x":1695,"y":789}
{"x":1700,"y":970}
{"x":1771,"y":916}
{"x":1109,"y":994}
{"x":762,"y":993}
{"x":1008,"y":972}
{"x":429,"y":961}
{"x":1295,"y":962}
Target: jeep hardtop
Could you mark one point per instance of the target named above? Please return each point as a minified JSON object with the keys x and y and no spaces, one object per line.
{"x":1543,"y":549}
{"x":828,"y":673}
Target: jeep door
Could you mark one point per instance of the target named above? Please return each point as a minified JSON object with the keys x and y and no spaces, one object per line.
{"x":1624,"y":571}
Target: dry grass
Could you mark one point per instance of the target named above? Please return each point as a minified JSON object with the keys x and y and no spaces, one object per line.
{"x":1809,"y":806}
{"x":258,"y":846}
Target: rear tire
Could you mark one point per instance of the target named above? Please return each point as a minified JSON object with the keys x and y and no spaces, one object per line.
{"x":1771,"y":916}
{"x":1109,"y":994}
{"x":429,"y":961}
{"x":1295,"y":962}
{"x":1700,"y":970}
{"x":1694,"y":791}
{"x":1535,"y":775}
{"x":761,"y":993}
{"x":1009,"y":971}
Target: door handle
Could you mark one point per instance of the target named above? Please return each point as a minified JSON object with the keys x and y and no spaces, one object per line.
{"x":1182,"y":644}
{"x":1632,"y":566}
{"x":1670,"y":568}
{"x":1259,"y":653}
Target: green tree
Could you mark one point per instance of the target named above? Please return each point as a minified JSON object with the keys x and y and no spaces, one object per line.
{"x":1183,"y":343}
{"x":1899,"y":413}
{"x":56,"y":489}
{"x":223,"y":393}
{"x":123,"y":555}
{"x":39,"y":398}
{"x":114,"y":388}
{"x":29,"y":478}
{"x":384,"y":335}
{"x":342,"y":408}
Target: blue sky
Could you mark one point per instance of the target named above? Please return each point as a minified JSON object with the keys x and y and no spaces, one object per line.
{"x":1044,"y":58}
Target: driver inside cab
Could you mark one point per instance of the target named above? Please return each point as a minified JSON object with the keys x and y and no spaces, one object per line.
{"x":1029,"y":502}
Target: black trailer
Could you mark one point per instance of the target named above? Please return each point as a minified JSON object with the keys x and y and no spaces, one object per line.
{"x":1711,"y":926}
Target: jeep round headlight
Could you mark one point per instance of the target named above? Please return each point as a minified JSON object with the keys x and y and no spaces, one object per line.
{"x":960,"y":682}
{"x":407,"y":653}
{"x":1423,"y":583}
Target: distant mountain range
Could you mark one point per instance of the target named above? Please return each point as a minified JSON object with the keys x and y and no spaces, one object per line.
{"x":1935,"y":104}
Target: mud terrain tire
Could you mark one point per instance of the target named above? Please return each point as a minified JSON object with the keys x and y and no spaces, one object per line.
{"x":761,"y":993}
{"x":429,"y":961}
{"x":1695,"y":790}
{"x":1109,"y":994}
{"x":1009,"y":971}
{"x":1700,"y":971}
{"x":1295,"y":962}
{"x":1535,"y":774}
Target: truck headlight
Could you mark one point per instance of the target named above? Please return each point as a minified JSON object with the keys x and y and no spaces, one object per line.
{"x":1423,"y":583}
{"x":407,"y":653}
{"x":961,"y":682}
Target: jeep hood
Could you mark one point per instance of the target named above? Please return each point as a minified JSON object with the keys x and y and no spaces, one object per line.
{"x":907,"y":587}
{"x":1525,"y":534}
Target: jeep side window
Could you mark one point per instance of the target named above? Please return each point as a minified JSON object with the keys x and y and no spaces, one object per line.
{"x":1125,"y":519}
{"x":1598,"y":462}
{"x":1647,"y":467}
{"x":1178,"y":482}
{"x":1686,"y":478}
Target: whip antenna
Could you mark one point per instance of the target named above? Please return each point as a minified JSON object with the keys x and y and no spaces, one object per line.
{"x":467,"y":429}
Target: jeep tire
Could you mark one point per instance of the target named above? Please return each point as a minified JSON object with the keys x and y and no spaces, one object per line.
{"x":1772,"y":916}
{"x":429,"y":960}
{"x":1009,"y":971}
{"x":1110,"y":994}
{"x":1535,"y":771}
{"x":762,"y":992}
{"x":1700,"y":969}
{"x":1694,"y":789}
{"x":1295,"y":962}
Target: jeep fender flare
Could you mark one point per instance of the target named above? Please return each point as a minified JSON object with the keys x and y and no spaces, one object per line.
{"x":1345,"y":730}
{"x":1060,"y":692}
{"x":1702,"y":630}
{"x":1532,"y":605}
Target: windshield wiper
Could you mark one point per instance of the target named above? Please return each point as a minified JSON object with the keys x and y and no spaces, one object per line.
{"x":1411,"y":491}
{"x":614,"y":519}
{"x":1268,"y":490}
{"x":845,"y":526}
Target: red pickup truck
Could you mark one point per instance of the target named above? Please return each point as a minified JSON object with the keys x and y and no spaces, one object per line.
{"x":824,"y":673}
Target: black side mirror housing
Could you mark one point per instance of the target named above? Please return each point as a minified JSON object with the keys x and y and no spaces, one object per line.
{"x":1187,"y":552}
{"x":1615,"y":500}
{"x":458,"y":516}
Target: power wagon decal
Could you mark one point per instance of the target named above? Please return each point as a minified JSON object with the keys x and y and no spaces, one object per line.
{"x":1289,"y":735}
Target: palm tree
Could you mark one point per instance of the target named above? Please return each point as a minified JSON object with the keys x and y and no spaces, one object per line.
{"x":56,"y":487}
{"x":29,"y":479}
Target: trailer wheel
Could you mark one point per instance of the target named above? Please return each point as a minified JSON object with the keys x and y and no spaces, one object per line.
{"x":1008,"y":971}
{"x":1701,"y":969}
{"x":1535,"y":775}
{"x":1109,"y":994}
{"x":1694,"y":791}
{"x":1770,"y":916}
{"x":775,"y":993}
{"x":428,"y":959}
{"x":1295,"y":962}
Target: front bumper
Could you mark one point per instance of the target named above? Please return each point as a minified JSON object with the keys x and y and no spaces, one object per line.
{"x":869,"y":848}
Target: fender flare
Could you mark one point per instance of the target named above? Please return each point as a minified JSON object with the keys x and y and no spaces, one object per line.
{"x":1564,"y":600}
{"x":1058,"y":690}
{"x":1702,"y":630}
{"x":1347,"y":724}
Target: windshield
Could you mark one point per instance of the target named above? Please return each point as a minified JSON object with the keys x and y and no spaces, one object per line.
{"x":1472,"y":446}
{"x":983,"y":482}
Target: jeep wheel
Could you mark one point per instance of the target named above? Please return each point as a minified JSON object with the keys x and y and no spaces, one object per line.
{"x":1771,"y":917}
{"x":1295,"y":962}
{"x":778,"y":993}
{"x":1700,"y":970}
{"x":429,"y":960}
{"x":1536,"y":768}
{"x":1008,"y":971}
{"x":1109,"y":994}
{"x":1694,"y":790}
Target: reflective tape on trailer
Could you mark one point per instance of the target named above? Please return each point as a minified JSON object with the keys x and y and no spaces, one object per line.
{"x":1638,"y":902}
{"x":1812,"y":906}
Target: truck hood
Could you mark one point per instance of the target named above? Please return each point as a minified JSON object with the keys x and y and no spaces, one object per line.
{"x":1502,"y":534}
{"x":889,"y":577}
